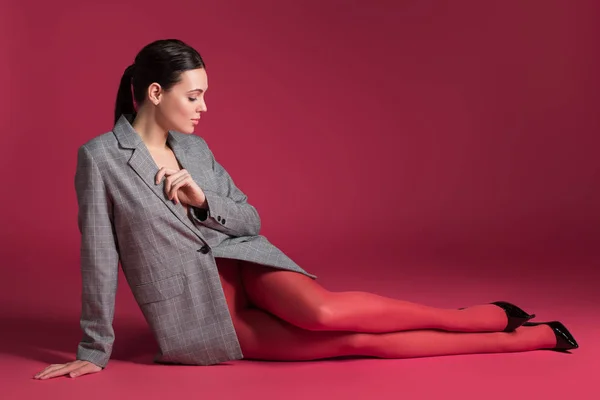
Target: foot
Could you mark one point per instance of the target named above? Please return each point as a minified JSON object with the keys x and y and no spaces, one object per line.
{"x":563,"y":339}
{"x":516,"y":317}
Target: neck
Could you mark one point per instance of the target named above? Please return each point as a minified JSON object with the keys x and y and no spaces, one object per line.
{"x":152,"y":134}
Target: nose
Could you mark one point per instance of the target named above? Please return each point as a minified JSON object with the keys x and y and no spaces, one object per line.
{"x":202,"y":107}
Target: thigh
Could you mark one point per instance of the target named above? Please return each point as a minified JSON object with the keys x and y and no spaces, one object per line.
{"x":289,"y":295}
{"x":233,"y":288}
{"x":263,"y":336}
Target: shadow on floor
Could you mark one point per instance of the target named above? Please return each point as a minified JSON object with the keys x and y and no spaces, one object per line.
{"x":46,"y":338}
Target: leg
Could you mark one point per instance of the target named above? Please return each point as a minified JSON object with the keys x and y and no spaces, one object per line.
{"x":265,"y":337}
{"x":428,"y":343}
{"x":301,"y":301}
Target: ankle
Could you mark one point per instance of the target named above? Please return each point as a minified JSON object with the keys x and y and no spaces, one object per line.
{"x":543,"y":335}
{"x":486,"y":317}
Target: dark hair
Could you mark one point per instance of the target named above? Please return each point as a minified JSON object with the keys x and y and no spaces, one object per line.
{"x":161,"y":61}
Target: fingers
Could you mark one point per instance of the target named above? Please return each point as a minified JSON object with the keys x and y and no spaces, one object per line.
{"x":174,"y":181}
{"x":56,"y":370}
{"x":172,"y":175}
{"x":87,"y":368}
{"x":48,"y":369}
{"x":176,"y":185}
{"x":181,"y":176}
{"x":77,"y":368}
{"x":162,"y":172}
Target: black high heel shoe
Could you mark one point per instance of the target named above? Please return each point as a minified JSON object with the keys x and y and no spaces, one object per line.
{"x":516,"y":316}
{"x":564,"y":339}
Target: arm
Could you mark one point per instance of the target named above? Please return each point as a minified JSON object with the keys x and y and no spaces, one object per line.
{"x":226,"y":210}
{"x":99,"y":262}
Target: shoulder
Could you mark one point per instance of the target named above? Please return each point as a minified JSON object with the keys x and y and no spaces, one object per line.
{"x":98,"y":144}
{"x":100,"y":150}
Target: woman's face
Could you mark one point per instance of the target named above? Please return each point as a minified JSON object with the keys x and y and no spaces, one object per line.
{"x":179,"y":108}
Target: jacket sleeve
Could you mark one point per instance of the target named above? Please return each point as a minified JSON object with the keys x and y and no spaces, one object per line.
{"x":99,"y":262}
{"x":228,"y":210}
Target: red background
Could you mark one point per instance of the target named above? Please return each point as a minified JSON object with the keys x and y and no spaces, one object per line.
{"x":420,"y":149}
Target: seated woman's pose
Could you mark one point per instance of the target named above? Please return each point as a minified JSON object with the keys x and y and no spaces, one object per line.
{"x":152,"y":196}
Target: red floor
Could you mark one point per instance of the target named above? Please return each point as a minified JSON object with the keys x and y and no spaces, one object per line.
{"x":41,"y":327}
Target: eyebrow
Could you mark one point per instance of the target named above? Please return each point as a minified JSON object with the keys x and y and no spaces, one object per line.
{"x":195,"y":90}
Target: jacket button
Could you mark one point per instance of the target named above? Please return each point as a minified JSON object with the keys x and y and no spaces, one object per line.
{"x":223,"y":221}
{"x":219,"y":218}
{"x":204,"y":249}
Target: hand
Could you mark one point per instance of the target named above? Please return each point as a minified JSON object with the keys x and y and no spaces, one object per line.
{"x":73,"y":368}
{"x":180,"y":187}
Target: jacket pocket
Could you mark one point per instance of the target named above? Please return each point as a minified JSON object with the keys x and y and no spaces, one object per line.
{"x":162,"y":289}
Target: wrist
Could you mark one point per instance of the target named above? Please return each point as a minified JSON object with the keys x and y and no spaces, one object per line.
{"x":202,"y":205}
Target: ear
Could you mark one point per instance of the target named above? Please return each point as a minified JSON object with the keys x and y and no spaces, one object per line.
{"x":155,"y":93}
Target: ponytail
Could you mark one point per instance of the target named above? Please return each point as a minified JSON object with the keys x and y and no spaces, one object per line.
{"x":124,"y":103}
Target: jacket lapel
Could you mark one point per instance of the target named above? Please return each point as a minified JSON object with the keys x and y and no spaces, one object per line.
{"x":143,"y":164}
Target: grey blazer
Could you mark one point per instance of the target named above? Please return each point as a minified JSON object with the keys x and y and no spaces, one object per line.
{"x":167,"y":255}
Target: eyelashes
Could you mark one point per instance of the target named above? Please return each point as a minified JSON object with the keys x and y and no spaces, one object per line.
{"x":192,"y":98}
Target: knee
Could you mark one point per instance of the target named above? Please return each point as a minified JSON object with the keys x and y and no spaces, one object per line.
{"x":320,"y":317}
{"x":360,"y":343}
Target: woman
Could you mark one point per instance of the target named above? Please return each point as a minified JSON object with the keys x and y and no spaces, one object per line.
{"x":152,"y":196}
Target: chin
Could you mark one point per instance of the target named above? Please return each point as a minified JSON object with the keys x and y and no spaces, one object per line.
{"x":185,"y":129}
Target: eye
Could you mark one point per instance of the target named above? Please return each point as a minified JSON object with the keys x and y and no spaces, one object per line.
{"x":192,"y":98}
